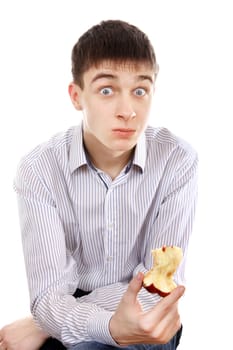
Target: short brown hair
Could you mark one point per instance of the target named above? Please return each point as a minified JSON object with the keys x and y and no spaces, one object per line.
{"x":113,"y":40}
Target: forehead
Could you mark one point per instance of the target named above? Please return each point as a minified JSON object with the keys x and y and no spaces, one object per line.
{"x":118,"y":68}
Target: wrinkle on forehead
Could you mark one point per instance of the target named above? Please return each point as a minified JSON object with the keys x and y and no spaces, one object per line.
{"x":124,"y":65}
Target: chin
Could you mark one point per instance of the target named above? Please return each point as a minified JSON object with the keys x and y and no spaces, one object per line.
{"x":124,"y":145}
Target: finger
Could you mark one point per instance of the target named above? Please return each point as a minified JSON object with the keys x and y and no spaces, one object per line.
{"x":134,"y":287}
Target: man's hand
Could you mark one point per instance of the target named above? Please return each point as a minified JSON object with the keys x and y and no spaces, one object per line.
{"x":22,"y":335}
{"x":130,"y":325}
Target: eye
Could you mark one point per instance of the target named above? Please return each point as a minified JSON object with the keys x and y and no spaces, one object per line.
{"x":140,"y":92}
{"x":106,"y":91}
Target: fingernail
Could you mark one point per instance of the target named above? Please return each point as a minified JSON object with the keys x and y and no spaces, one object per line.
{"x":139,"y":276}
{"x":182,"y":289}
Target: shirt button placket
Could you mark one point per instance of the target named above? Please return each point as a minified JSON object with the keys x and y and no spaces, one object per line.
{"x":109,"y":225}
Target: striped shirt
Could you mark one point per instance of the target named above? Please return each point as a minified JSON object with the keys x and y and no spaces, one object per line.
{"x":81,"y":229}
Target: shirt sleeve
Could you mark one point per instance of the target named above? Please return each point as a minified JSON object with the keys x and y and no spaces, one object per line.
{"x":173,"y":223}
{"x":50,"y":268}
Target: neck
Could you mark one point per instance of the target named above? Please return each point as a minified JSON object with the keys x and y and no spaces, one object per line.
{"x":108,"y":161}
{"x":112,"y":165}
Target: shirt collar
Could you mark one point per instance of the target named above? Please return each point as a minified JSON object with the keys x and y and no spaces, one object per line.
{"x":140,"y":153}
{"x":78,"y":158}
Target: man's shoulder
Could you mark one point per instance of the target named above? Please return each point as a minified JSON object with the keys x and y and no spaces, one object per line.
{"x":165,"y":138}
{"x":59,"y":143}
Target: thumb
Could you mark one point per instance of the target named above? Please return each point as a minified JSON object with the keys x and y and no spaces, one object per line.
{"x":133,"y":288}
{"x":174,"y":296}
{"x":178,"y":292}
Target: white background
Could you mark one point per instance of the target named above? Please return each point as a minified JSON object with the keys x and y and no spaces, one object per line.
{"x":193,"y":41}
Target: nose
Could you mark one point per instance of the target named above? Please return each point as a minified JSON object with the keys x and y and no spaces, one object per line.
{"x":125,"y":109}
{"x":127,"y":115}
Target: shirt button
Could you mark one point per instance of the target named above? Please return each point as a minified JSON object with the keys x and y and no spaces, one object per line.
{"x":109,"y":258}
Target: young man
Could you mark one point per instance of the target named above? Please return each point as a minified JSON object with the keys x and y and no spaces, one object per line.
{"x":96,"y":199}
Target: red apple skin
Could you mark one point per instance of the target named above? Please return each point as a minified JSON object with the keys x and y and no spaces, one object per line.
{"x":152,"y":289}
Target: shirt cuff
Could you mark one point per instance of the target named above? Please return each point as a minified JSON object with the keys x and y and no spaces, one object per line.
{"x":98,"y":328}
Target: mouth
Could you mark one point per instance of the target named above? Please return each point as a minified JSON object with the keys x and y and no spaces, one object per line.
{"x":123,"y":132}
{"x":124,"y":129}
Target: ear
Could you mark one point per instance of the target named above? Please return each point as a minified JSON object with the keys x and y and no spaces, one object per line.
{"x":75,"y":95}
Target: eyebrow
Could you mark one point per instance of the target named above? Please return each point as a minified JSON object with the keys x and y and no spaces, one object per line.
{"x":103,"y":75}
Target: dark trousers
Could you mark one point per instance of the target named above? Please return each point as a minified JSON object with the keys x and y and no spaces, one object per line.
{"x":54,"y":344}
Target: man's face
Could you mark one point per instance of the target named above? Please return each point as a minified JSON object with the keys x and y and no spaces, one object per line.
{"x":115,"y":101}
